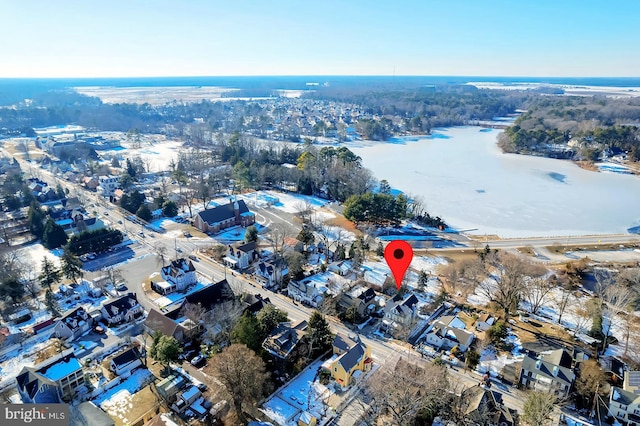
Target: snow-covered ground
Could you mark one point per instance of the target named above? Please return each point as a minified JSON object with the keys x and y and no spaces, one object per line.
{"x":33,"y":255}
{"x":117,"y":401}
{"x":300,"y":394}
{"x":12,"y":361}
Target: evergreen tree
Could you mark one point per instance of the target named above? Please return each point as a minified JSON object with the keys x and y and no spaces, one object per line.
{"x":131,"y":170}
{"x":52,"y":303}
{"x":71,"y":266}
{"x":319,"y":335}
{"x":247,"y":332}
{"x":251,"y":234}
{"x":144,"y":213}
{"x":49,"y":274}
{"x":53,"y":235}
{"x":165,"y":350}
{"x":36,"y":219}
{"x":269,"y":318}
{"x":169,"y":209}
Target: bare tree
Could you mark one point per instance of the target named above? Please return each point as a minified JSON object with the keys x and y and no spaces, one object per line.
{"x":276,"y":237}
{"x":193,"y":311}
{"x":160,"y":251}
{"x":243,"y":374}
{"x":561,"y":301}
{"x":114,"y":274}
{"x":509,"y":287}
{"x":220,"y":320}
{"x":617,"y":301}
{"x":304,"y":210}
{"x":32,"y":287}
{"x":402,"y":391}
{"x":537,"y":292}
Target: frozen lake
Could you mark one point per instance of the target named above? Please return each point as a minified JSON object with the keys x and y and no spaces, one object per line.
{"x":463,"y":177}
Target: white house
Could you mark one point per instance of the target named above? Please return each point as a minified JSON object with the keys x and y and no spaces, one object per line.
{"x":484,"y":322}
{"x":401,"y":312}
{"x":126,"y":361}
{"x":305,"y":292}
{"x":74,"y":324}
{"x":240,"y":255}
{"x":450,"y":331}
{"x":624,"y":403}
{"x":123,"y":309}
{"x":271,"y":274}
{"x":181,"y":273}
{"x":108,"y":184}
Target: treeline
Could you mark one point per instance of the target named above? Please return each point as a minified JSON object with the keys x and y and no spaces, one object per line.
{"x":427,"y":107}
{"x":595,"y":123}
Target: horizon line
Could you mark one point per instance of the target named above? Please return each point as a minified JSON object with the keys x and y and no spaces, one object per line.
{"x":318,"y":75}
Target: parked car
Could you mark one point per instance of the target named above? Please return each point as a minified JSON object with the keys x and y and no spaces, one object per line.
{"x":121,"y":287}
{"x":198,"y":361}
{"x":99,"y":329}
{"x":192,"y":257}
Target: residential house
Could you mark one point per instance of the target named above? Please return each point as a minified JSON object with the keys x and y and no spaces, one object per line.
{"x":351,"y":357}
{"x":181,"y":273}
{"x":254,"y":302}
{"x":168,"y":388}
{"x":87,"y":413}
{"x":241,"y":255}
{"x":481,"y":406}
{"x":624,"y":403}
{"x":401,"y":312}
{"x":305,"y":292}
{"x":126,"y":361}
{"x":294,"y":244}
{"x":211,"y":295}
{"x":185,"y":398}
{"x":123,"y":309}
{"x":73,"y":324}
{"x":90,"y":183}
{"x":235,"y":213}
{"x":170,"y":325}
{"x":484,"y":322}
{"x":271,"y":274}
{"x":550,"y":372}
{"x":285,"y":339}
{"x":108,"y":184}
{"x":55,"y":380}
{"x":359,"y":297}
{"x":449,"y":331}
{"x":342,"y":268}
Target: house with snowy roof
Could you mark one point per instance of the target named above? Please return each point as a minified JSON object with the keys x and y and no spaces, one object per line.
{"x":306,"y":292}
{"x":234,"y":213}
{"x":181,"y":273}
{"x":286,"y":339}
{"x":241,"y":255}
{"x":449,"y":331}
{"x":271,"y":273}
{"x":351,"y":358}
{"x":550,"y":372}
{"x":123,"y":309}
{"x":73,"y":324}
{"x":126,"y":361}
{"x":53,"y":381}
{"x":358,"y":297}
{"x":401,"y":312}
{"x":624,"y":402}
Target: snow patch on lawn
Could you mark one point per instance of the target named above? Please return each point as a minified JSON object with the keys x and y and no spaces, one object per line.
{"x":117,"y":401}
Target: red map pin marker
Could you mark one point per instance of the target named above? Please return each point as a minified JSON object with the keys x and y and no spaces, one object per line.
{"x":398,"y":255}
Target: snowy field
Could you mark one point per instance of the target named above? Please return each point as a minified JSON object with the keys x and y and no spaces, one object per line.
{"x":15,"y":358}
{"x":33,"y":255}
{"x":117,"y":401}
{"x":301,"y":394}
{"x":464,"y":178}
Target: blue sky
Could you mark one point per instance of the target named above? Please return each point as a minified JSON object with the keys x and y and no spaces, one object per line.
{"x":350,"y":37}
